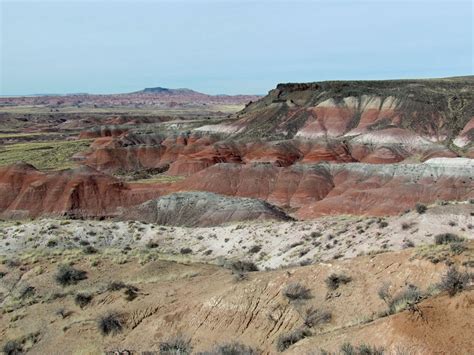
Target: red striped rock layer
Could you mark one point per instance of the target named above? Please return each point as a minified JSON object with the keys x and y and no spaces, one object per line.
{"x":82,"y":192}
{"x":323,"y":189}
{"x":189,"y":153}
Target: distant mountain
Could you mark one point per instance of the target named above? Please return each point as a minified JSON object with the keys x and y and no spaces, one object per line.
{"x":168,"y":91}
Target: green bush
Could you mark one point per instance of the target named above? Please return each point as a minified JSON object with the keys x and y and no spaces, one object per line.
{"x":446,"y":238}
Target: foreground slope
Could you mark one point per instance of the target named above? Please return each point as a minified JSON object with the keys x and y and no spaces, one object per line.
{"x":210,"y":306}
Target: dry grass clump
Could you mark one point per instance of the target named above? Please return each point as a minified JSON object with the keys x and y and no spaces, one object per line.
{"x":314,"y":317}
{"x":409,"y":296}
{"x":178,"y":345}
{"x":233,"y":348}
{"x":363,"y":349}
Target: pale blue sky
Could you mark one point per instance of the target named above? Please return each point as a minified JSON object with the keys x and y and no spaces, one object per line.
{"x":227,"y":46}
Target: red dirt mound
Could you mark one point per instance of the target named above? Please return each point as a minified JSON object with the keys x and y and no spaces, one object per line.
{"x":82,"y":192}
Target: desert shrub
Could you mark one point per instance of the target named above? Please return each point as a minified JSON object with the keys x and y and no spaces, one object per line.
{"x":446,"y":238}
{"x":186,"y":251}
{"x":383,"y":224}
{"x":401,"y":301}
{"x":454,"y":281}
{"x":89,"y":249}
{"x":240,"y":276}
{"x":131,"y":293}
{"x":407,"y":243}
{"x":67,"y":275}
{"x":116,"y":286}
{"x":306,"y":262}
{"x":63,"y":313}
{"x":152,"y":244}
{"x":26,"y":291}
{"x":110,"y":323}
{"x":420,"y":208}
{"x":333,"y":281}
{"x":406,"y":226}
{"x":51,"y":243}
{"x":384,"y":293}
{"x":11,"y":263}
{"x":82,"y":299}
{"x":286,"y":340}
{"x":314,"y":317}
{"x":255,"y":249}
{"x":12,"y":347}
{"x":296,"y":291}
{"x":243,"y":266}
{"x":363,"y":349}
{"x":177,"y":345}
{"x":457,"y":248}
{"x":233,"y":348}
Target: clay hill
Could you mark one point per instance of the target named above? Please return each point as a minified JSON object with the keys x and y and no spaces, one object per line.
{"x":193,"y":209}
{"x":82,"y":192}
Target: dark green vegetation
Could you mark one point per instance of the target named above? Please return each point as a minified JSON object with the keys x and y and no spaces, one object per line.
{"x":52,"y":155}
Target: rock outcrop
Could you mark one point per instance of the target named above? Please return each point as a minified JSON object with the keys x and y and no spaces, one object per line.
{"x":436,"y":109}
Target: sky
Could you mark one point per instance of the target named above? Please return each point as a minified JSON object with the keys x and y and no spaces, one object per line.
{"x":227,"y":47}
